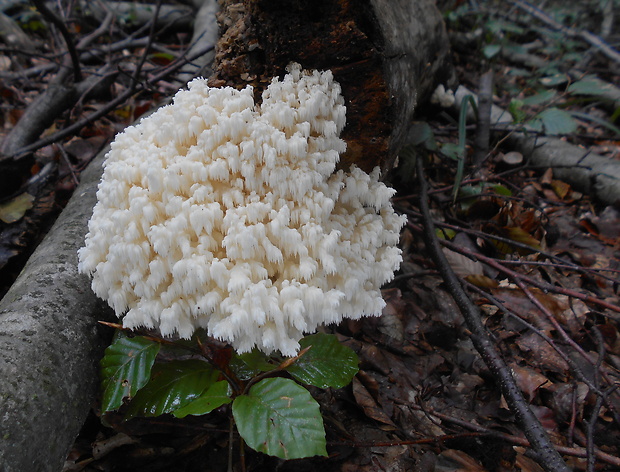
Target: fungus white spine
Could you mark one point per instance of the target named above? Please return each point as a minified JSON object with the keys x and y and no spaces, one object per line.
{"x":219,"y":213}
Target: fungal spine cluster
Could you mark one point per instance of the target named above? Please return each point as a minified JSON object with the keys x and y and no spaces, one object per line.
{"x":220,"y":213}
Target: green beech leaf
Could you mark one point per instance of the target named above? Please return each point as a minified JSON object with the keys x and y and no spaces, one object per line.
{"x":280,"y":418}
{"x":126,"y":368}
{"x":491,"y":50}
{"x":557,"y":121}
{"x":554,"y":80}
{"x":215,"y":396}
{"x":247,"y":365}
{"x":539,"y":98}
{"x":172,"y":386}
{"x":328,"y":363}
{"x":590,"y":85}
{"x":421,"y":134}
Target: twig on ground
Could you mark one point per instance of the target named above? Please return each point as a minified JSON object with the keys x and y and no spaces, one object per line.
{"x":543,"y":450}
{"x":545,"y":286}
{"x":58,"y":23}
{"x":590,"y":38}
{"x":111,"y":105}
{"x":516,"y":440}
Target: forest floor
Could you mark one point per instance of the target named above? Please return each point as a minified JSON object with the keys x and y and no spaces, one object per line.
{"x":540,"y":259}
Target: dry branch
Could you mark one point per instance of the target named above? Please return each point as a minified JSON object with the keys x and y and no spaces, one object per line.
{"x":543,"y":450}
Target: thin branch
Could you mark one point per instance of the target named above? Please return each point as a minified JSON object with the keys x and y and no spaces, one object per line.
{"x":483,"y":129}
{"x":52,"y":18}
{"x":544,"y":286}
{"x":516,"y":440}
{"x":109,"y":106}
{"x":544,"y":451}
{"x":590,"y":38}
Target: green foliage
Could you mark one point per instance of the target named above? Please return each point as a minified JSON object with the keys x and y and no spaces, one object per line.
{"x":249,"y":364}
{"x":590,"y":85}
{"x":216,"y":395}
{"x":326,"y":364}
{"x":280,"y":418}
{"x":172,"y":386}
{"x":274,"y":415}
{"x":556,"y":121}
{"x":126,"y":368}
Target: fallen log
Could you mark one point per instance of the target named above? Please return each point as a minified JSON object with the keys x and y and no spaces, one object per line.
{"x":50,"y":344}
{"x":590,"y":173}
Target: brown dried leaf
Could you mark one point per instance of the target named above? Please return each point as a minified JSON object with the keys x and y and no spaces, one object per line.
{"x":390,"y":322}
{"x":14,"y":209}
{"x":543,"y":355}
{"x":529,"y":380}
{"x":462,"y":265}
{"x":368,"y":405}
{"x":520,"y":235}
{"x":568,"y":399}
{"x":457,"y":461}
{"x":482,"y":281}
{"x":561,"y":189}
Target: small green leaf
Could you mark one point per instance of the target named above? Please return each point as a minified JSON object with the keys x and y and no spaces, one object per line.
{"x":172,"y":386}
{"x":515,"y":109}
{"x":280,"y":418}
{"x":539,"y":98}
{"x":421,"y":133}
{"x":502,"y":190}
{"x":553,"y":80}
{"x":445,"y":233}
{"x":126,"y":368}
{"x":328,"y":363}
{"x":247,"y":365}
{"x":215,"y":396}
{"x":451,"y":150}
{"x":491,"y":50}
{"x":557,"y":121}
{"x":590,"y":85}
{"x":535,"y":124}
{"x":14,"y":209}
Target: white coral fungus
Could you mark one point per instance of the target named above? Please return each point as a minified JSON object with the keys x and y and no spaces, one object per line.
{"x":443,"y":97}
{"x":216,"y":212}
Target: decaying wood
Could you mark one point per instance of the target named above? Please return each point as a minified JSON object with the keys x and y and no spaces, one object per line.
{"x":386,"y":54}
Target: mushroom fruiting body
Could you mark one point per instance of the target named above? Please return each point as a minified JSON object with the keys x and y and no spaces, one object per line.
{"x":219,"y":213}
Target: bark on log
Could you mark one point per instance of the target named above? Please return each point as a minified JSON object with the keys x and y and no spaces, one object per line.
{"x":387,"y":55}
{"x":51,"y":343}
{"x":590,"y":173}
